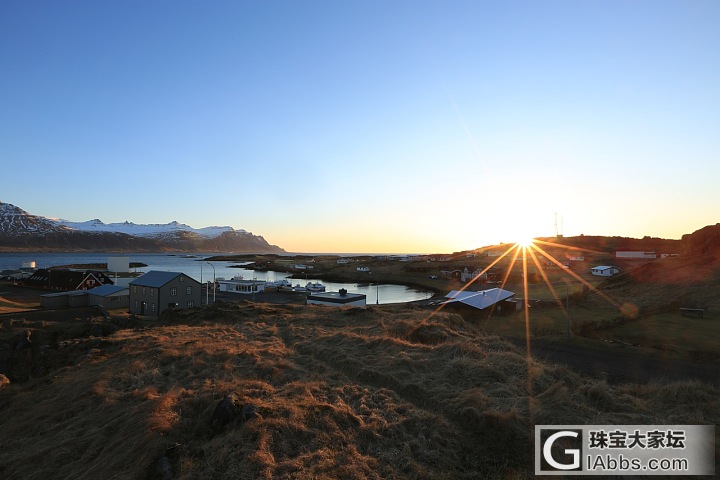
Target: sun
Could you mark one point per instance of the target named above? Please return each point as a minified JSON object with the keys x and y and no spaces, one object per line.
{"x":526,"y":241}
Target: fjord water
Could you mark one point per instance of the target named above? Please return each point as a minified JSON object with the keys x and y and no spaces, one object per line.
{"x":196,"y":267}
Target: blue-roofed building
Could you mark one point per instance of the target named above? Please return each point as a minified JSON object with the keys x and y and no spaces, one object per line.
{"x":109,"y":296}
{"x":497,"y":298}
{"x":157,"y":291}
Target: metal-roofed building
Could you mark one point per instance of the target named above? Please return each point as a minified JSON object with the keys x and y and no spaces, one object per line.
{"x":109,"y":296}
{"x":604,"y":271}
{"x":156,"y":291}
{"x":479,"y":300}
{"x":337,"y":299}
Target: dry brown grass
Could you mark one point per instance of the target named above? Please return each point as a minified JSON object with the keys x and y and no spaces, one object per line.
{"x":382,"y":392}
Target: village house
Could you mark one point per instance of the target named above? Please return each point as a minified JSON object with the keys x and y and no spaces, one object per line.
{"x":476,"y":274}
{"x":66,"y":280}
{"x":237,"y":285}
{"x":337,"y":299}
{"x":156,"y":291}
{"x":302,"y":266}
{"x":450,"y":272}
{"x":363,"y":269}
{"x":494,"y":299}
{"x":631,"y":254}
{"x":604,"y":271}
{"x":109,"y":297}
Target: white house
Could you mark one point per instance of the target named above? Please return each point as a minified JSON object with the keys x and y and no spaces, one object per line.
{"x":343,"y":261}
{"x":466,"y":275}
{"x":241,"y":286}
{"x":363,"y":269}
{"x":604,"y":271}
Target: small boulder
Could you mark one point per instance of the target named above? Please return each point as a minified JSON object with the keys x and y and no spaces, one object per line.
{"x":225,"y":412}
{"x":4,"y":381}
{"x":24,"y":340}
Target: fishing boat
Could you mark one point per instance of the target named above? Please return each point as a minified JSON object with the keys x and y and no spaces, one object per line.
{"x":278,"y":285}
{"x":315,"y":287}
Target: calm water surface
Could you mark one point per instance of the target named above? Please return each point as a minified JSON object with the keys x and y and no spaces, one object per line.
{"x":203,"y":271}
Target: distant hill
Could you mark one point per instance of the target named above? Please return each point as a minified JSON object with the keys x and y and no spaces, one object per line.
{"x":611,"y":244}
{"x":691,"y":279}
{"x":20,"y":230}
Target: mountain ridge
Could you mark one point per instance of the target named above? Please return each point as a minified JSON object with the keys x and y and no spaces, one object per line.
{"x":20,"y":230}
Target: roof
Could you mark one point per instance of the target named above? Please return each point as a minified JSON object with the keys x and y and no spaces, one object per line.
{"x":242,"y":282}
{"x":336,"y":297}
{"x":107,"y":290}
{"x":156,"y":278}
{"x":479,"y":300}
{"x":71,"y":293}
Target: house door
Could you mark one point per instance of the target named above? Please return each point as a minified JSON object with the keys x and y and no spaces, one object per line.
{"x":142,"y":308}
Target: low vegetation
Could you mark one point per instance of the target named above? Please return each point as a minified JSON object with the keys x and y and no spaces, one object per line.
{"x":383,"y":392}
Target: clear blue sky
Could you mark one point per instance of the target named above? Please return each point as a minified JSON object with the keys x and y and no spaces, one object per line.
{"x":366,"y":126}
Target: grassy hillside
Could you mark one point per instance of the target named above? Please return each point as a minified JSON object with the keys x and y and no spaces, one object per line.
{"x":382,"y":392}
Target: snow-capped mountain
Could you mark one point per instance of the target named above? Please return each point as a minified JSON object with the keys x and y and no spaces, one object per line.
{"x":15,"y":221}
{"x":153,"y":229}
{"x":22,"y":230}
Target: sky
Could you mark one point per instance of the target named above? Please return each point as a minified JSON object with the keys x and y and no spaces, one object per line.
{"x":395,"y":126}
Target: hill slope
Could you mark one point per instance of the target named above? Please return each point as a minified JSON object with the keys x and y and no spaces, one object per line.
{"x":691,"y":279}
{"x":327,"y":393}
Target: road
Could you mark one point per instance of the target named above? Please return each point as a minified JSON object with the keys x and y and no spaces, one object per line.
{"x":621,"y":364}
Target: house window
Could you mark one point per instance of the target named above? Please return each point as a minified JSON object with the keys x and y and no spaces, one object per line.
{"x":173,"y":291}
{"x":188,"y":291}
{"x":153,"y":307}
{"x":136,"y":305}
{"x":182,"y":279}
{"x":134,"y":288}
{"x":143,"y":290}
{"x":190,"y":303}
{"x":152,"y":292}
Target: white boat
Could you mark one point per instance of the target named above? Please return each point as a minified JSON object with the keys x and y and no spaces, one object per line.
{"x":277,"y":285}
{"x":315,"y":287}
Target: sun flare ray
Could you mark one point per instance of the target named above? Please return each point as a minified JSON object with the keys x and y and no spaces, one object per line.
{"x":578,"y":278}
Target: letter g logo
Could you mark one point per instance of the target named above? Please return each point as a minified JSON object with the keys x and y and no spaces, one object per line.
{"x":573,"y":452}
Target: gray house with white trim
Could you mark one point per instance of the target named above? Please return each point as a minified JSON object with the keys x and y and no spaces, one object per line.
{"x":157,"y":291}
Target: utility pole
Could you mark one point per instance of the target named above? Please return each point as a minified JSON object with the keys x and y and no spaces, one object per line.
{"x":214,"y":284}
{"x":567,"y":307}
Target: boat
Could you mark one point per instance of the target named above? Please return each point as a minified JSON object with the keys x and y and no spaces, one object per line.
{"x":315,"y":287}
{"x":278,"y":285}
